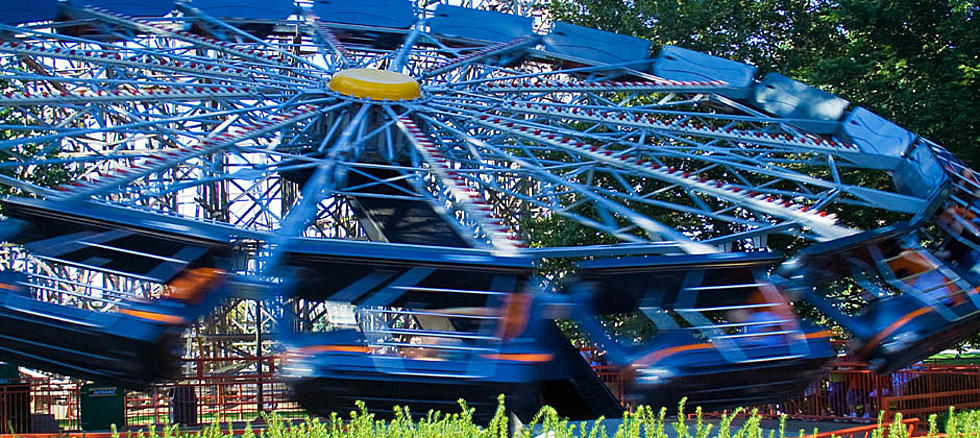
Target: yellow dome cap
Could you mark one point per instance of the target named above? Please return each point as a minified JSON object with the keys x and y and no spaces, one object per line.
{"x":368,"y":83}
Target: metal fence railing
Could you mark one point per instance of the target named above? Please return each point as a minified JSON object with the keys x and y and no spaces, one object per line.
{"x":214,"y":389}
{"x":847,"y":391}
{"x":240,"y":388}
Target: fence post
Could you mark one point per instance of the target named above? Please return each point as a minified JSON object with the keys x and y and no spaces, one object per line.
{"x":156,"y":404}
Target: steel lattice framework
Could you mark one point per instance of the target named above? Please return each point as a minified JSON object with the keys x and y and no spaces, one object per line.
{"x":234,"y":121}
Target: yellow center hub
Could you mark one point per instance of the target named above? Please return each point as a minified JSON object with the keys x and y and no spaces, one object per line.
{"x":367,"y":83}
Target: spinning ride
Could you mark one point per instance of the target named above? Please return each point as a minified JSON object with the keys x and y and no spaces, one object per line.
{"x":202,"y":139}
{"x":718,"y":325}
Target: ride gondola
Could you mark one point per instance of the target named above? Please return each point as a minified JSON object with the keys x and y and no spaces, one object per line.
{"x":432,"y":326}
{"x":720,"y":333}
{"x":959,"y":217}
{"x":914,"y":303}
{"x":176,"y":271}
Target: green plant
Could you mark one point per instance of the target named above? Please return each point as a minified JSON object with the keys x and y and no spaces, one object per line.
{"x":643,"y":421}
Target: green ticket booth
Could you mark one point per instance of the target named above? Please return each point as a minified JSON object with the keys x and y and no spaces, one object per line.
{"x":9,"y":373}
{"x":102,"y":406}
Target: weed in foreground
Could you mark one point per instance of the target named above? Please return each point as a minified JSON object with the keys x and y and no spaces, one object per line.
{"x":641,"y":422}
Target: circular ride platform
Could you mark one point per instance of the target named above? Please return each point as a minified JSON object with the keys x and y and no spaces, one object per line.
{"x":451,"y":151}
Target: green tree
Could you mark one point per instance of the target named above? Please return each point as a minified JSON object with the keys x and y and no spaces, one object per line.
{"x":765,"y":33}
{"x":14,"y":160}
{"x":915,"y":62}
{"x":912,"y":61}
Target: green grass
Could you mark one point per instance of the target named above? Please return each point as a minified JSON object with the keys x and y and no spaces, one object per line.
{"x":972,"y":358}
{"x":148,"y":419}
{"x":641,"y":422}
{"x":940,"y":356}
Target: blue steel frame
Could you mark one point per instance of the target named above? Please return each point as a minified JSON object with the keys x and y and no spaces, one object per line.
{"x":200,"y":116}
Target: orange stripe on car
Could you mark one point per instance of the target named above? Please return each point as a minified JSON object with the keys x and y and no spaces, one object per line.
{"x":891,"y":329}
{"x":520,"y":357}
{"x":517,"y":307}
{"x":656,"y":356}
{"x":194,"y":284}
{"x":336,"y":348}
{"x":818,"y":335}
{"x":153,"y":316}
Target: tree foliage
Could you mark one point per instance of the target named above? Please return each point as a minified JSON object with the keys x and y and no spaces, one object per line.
{"x":912,"y":61}
{"x":13,"y":159}
{"x":915,"y":62}
{"x":763,"y":33}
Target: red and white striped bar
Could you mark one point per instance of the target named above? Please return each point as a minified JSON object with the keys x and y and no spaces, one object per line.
{"x":84,"y":96}
{"x":662,"y":86}
{"x":165,"y":159}
{"x":324,"y":32}
{"x":110,"y":58}
{"x":470,"y":200}
{"x":150,"y":27}
{"x":820,"y":221}
{"x":647,"y":121}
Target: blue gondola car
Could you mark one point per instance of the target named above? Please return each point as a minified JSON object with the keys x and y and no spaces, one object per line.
{"x":372,"y":23}
{"x":577,"y":46}
{"x":74,"y":17}
{"x":959,"y":215}
{"x":724,"y":336}
{"x":101,"y":333}
{"x":916,"y":304}
{"x":131,"y":348}
{"x":492,"y":37}
{"x":433,"y":325}
{"x":24,"y":11}
{"x":255,"y":17}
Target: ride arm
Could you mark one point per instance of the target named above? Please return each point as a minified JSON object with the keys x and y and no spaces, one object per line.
{"x":584,"y":313}
{"x":10,"y":227}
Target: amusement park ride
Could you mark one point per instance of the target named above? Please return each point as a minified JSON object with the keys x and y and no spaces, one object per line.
{"x":356,"y":178}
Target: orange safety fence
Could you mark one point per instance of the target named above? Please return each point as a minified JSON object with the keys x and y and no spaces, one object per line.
{"x":38,"y":404}
{"x":15,"y":408}
{"x":863,"y":431}
{"x":221,"y":389}
{"x":82,"y":434}
{"x":848,"y":392}
{"x":613,"y":378}
{"x":213,"y":389}
{"x":239,"y":388}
